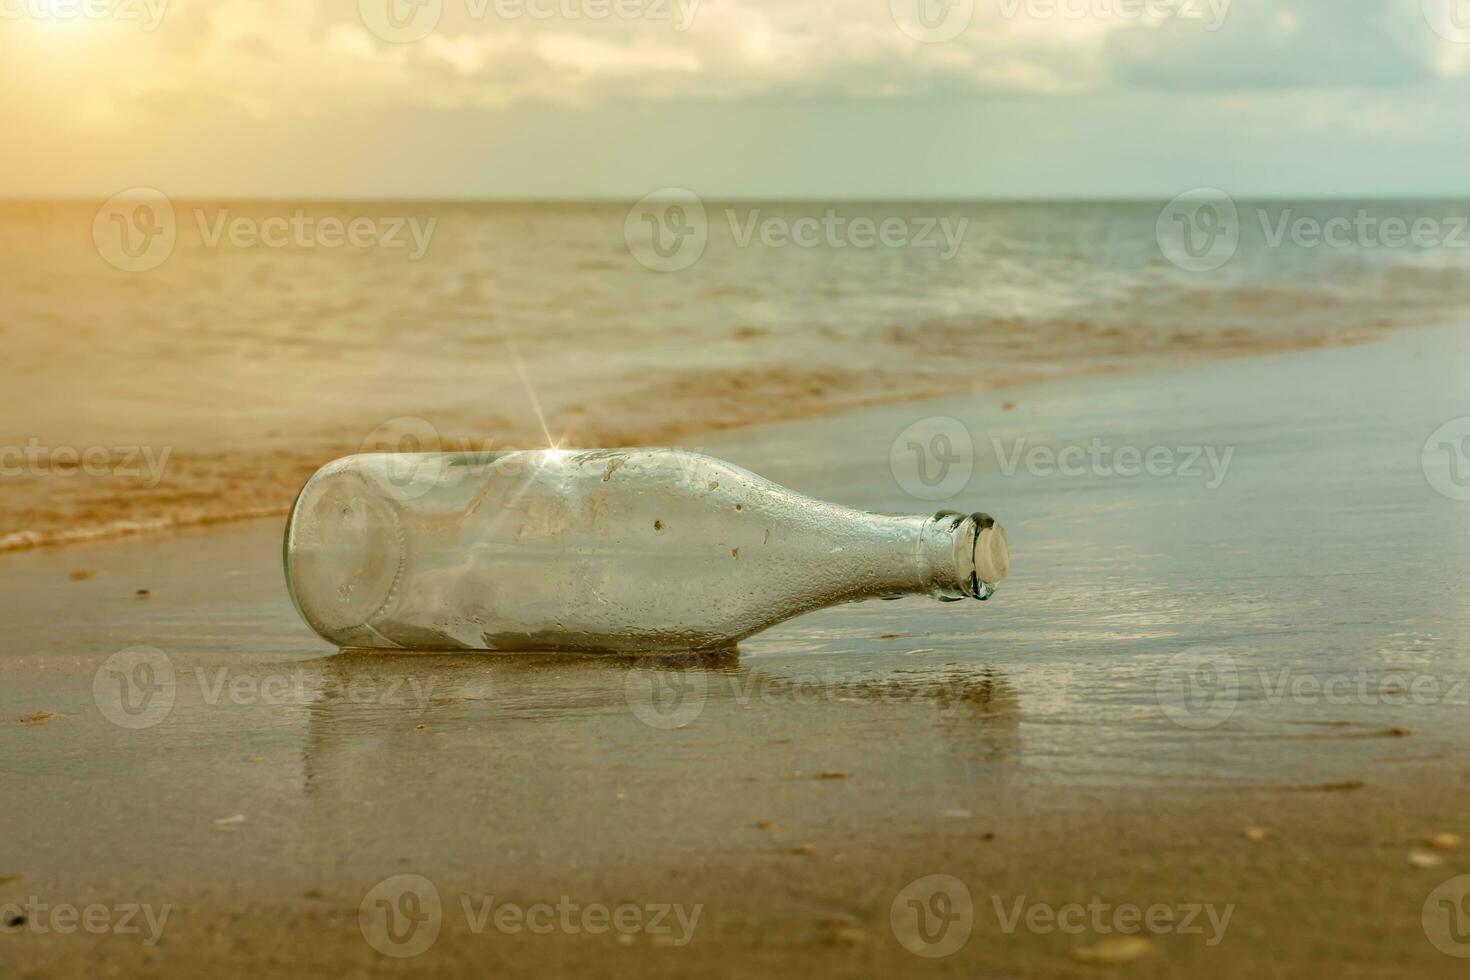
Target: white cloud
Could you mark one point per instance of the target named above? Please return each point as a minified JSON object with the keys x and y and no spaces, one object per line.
{"x":299,"y":58}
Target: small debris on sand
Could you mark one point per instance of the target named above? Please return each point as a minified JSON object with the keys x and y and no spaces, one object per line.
{"x":1112,"y":952}
{"x":1256,"y":834}
{"x":804,"y":849}
{"x":1444,"y":842}
{"x":229,"y":823}
{"x":763,"y":825}
{"x":252,"y":758}
{"x":7,"y":879}
{"x":1423,"y":859}
{"x":847,"y":937}
{"x":889,"y":636}
{"x":314,"y":893}
{"x":1007,"y":406}
{"x":37,"y":718}
{"x":142,"y":593}
{"x":82,"y":574}
{"x":1342,"y":786}
{"x":833,"y":774}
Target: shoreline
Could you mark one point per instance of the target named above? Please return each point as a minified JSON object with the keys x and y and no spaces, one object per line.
{"x":280,"y":473}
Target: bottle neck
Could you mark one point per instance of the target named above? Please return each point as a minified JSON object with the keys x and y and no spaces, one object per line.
{"x":949,"y":556}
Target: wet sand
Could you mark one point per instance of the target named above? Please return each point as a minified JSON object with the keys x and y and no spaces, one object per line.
{"x":1103,"y":732}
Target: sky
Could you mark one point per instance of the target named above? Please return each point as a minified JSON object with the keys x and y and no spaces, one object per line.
{"x":735,"y":98}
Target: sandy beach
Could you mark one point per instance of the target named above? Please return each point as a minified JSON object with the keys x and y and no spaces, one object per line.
{"x":1232,"y":688}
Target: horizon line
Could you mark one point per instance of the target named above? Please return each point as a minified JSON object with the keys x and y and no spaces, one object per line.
{"x":722,"y":199}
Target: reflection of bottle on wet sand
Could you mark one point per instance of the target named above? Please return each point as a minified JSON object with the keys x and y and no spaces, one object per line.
{"x":639,"y":549}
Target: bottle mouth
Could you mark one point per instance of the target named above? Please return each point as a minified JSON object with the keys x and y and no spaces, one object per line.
{"x":989,"y":557}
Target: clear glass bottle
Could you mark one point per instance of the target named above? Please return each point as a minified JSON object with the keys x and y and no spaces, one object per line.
{"x":626,"y":549}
